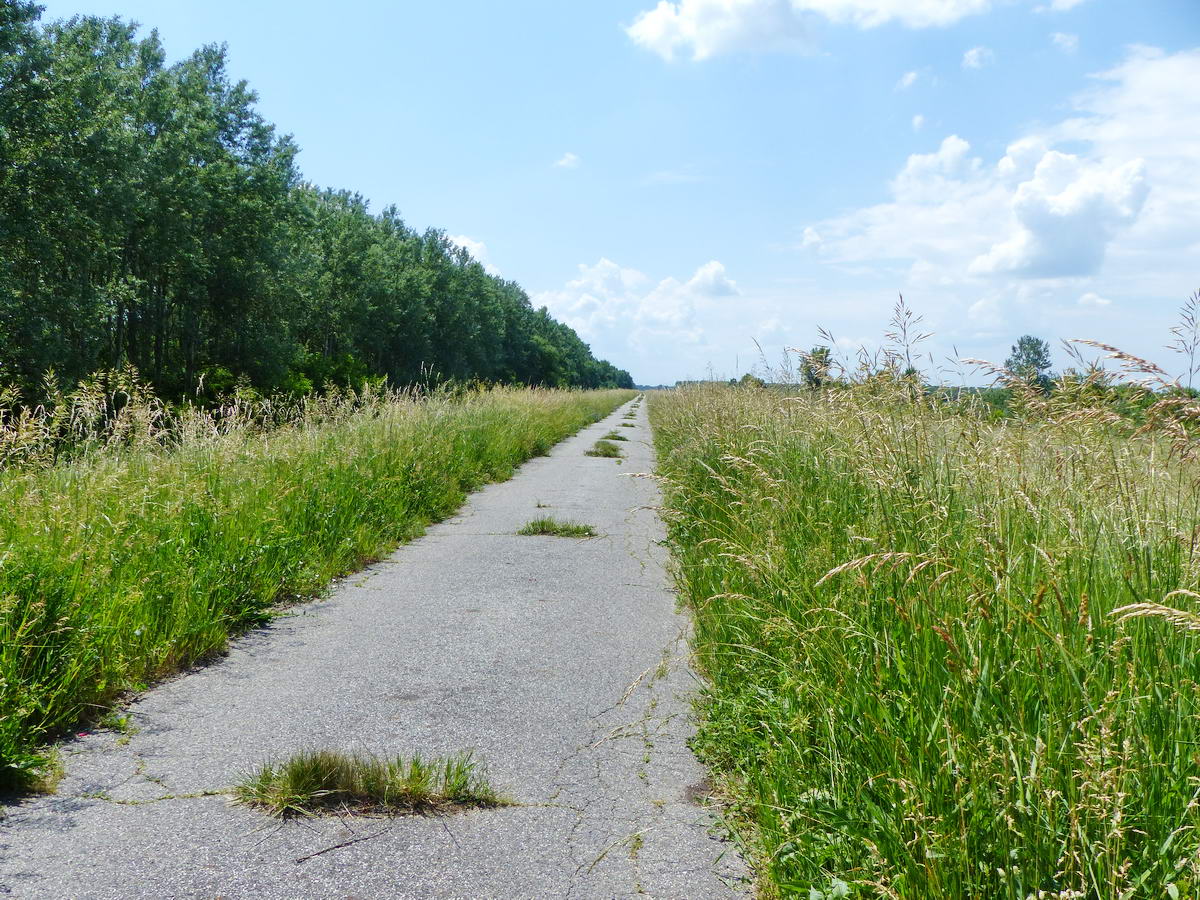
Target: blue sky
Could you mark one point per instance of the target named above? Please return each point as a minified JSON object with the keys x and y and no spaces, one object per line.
{"x":678,"y":180}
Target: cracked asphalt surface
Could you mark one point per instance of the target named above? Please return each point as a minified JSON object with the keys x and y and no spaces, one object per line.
{"x":560,"y":662}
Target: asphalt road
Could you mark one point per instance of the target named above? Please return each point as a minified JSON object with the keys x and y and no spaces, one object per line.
{"x":560,"y":662}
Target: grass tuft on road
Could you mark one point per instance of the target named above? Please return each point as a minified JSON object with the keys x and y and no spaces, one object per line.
{"x":606,"y":449}
{"x":555,"y":528}
{"x":315,"y":782}
{"x":614,"y":436}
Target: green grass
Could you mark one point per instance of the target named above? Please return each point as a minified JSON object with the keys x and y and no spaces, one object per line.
{"x":628,"y":425}
{"x":614,"y":436}
{"x":926,"y":677}
{"x":606,"y":449}
{"x":555,"y":528}
{"x":313,"y":782}
{"x":147,"y":551}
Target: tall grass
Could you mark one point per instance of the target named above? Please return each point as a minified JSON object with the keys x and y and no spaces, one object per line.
{"x":164,"y":533}
{"x":949,"y":657}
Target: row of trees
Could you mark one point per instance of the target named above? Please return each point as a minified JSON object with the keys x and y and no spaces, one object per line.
{"x":150,"y":216}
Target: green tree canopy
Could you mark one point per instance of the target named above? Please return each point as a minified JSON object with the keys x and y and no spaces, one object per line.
{"x":1030,"y":359}
{"x":149,"y":216}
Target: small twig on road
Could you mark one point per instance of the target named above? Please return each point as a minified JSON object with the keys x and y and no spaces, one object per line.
{"x":452,"y":837}
{"x":358,"y":840}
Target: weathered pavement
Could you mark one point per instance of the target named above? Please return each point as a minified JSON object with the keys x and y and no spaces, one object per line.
{"x":560,"y":662}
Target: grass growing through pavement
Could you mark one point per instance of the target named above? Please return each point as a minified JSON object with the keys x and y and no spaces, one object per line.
{"x":161,"y":538}
{"x":555,"y":528}
{"x":325,"y":781}
{"x":949,"y":656}
{"x":604,"y":448}
{"x":614,"y":436}
{"x":628,"y":425}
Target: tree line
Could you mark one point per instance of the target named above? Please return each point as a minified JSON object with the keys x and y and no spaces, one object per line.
{"x":150,"y":216}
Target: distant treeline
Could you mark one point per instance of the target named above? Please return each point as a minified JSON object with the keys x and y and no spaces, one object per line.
{"x":149,"y":216}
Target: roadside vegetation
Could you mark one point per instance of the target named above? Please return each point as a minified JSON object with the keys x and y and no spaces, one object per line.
{"x":951,"y":654}
{"x":135,"y":538}
{"x":314,"y":782}
{"x":555,"y":528}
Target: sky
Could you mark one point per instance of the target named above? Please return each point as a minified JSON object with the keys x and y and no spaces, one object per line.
{"x":696,"y":186}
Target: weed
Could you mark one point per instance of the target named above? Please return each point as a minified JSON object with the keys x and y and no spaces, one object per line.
{"x":614,"y":436}
{"x":325,"y":781}
{"x":604,"y":448}
{"x":636,"y":843}
{"x":628,"y":425}
{"x":119,"y":722}
{"x":555,"y":528}
{"x":49,"y":774}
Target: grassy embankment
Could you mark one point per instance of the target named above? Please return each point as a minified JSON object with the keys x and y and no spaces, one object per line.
{"x":161,"y":539}
{"x":923,"y":683}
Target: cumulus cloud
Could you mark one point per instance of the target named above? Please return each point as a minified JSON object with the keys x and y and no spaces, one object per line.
{"x":1037,"y":213}
{"x":928,"y":176}
{"x":477,"y":249}
{"x":1076,"y":217}
{"x":918,"y":122}
{"x":568,"y":161}
{"x":704,"y":28}
{"x":977,"y":58}
{"x":1068,"y":212}
{"x":1067,"y":43}
{"x":907,"y":80}
{"x":612,"y":303}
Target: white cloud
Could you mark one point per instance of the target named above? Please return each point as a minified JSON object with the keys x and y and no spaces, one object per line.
{"x":1102,"y":206}
{"x":1068,"y":212}
{"x":928,"y":176}
{"x":907,"y":80}
{"x":705,"y":28}
{"x":978,"y":57}
{"x":1067,"y":43}
{"x":568,"y":161}
{"x":623,"y":308}
{"x":477,"y":249}
{"x":918,"y":122}
{"x":1059,"y":5}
